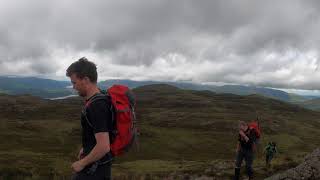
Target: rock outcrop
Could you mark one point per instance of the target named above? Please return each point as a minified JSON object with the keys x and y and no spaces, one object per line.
{"x":308,"y":170}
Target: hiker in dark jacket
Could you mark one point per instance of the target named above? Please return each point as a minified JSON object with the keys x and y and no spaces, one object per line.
{"x":245,"y":149}
{"x":94,"y":161}
{"x":270,"y":151}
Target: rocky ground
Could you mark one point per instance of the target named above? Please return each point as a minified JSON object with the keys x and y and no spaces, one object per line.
{"x":308,"y":170}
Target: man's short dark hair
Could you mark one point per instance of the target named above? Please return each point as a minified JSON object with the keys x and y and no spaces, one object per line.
{"x":83,"y":68}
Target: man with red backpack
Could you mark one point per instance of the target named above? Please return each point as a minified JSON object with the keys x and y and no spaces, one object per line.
{"x":246,"y":148}
{"x":96,"y":120}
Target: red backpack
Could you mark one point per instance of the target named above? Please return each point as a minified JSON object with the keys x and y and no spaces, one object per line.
{"x":256,"y":127}
{"x":123,"y":116}
{"x":124,"y":103}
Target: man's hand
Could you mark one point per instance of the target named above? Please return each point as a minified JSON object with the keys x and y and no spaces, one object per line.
{"x":80,"y":155}
{"x":77,"y":166}
{"x":244,"y":135}
{"x":100,"y":149}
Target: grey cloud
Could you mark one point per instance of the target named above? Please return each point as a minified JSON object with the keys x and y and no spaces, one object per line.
{"x":236,"y":35}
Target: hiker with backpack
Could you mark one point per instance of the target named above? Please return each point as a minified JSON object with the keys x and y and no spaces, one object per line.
{"x":107,"y":120}
{"x":94,"y":159}
{"x":270,"y":150}
{"x":245,"y":148}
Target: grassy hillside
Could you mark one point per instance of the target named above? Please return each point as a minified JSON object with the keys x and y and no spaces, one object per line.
{"x":183,"y":133}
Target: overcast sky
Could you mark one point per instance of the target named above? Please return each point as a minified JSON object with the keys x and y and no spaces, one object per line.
{"x":274,"y":43}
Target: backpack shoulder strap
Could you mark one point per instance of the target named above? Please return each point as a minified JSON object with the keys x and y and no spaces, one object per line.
{"x":95,"y":98}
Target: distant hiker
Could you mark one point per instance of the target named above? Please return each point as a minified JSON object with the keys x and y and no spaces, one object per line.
{"x":270,"y":150}
{"x":94,"y":157}
{"x":245,"y":149}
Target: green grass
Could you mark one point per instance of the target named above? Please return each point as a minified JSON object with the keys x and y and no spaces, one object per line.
{"x":182,"y":132}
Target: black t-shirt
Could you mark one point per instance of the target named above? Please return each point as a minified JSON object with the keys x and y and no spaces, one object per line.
{"x":99,"y":115}
{"x":252,"y":138}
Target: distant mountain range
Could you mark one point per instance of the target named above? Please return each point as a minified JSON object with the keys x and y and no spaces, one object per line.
{"x":231,"y":89}
{"x":47,"y":88}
